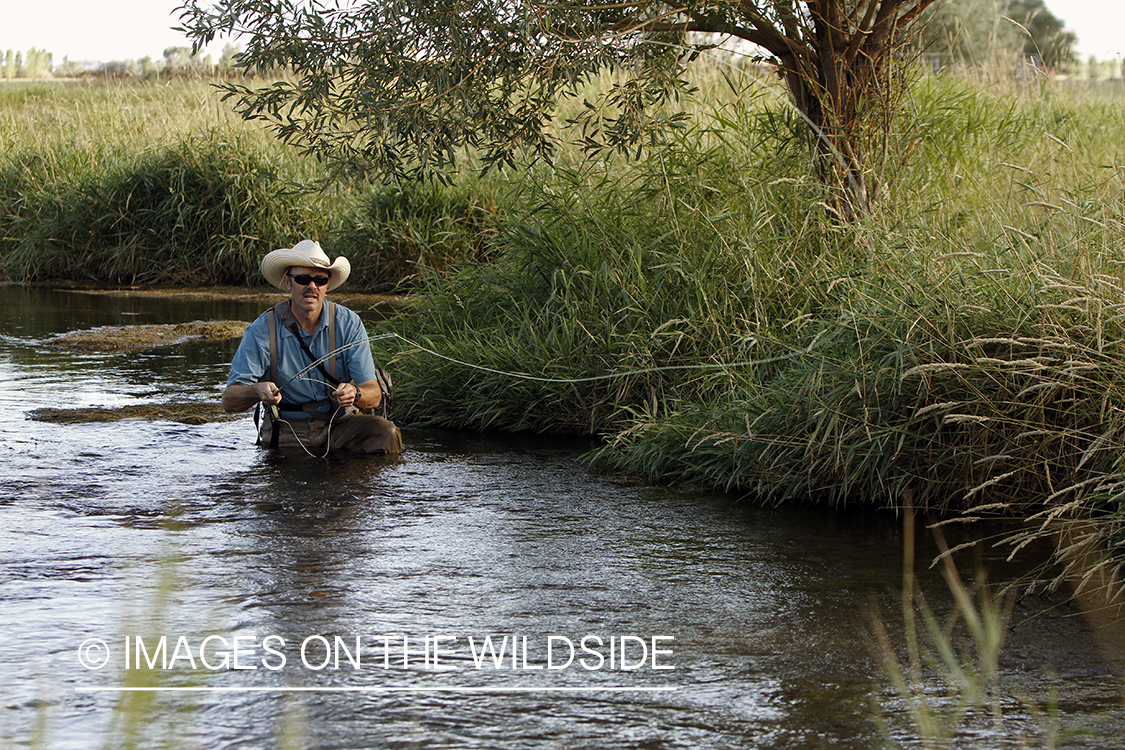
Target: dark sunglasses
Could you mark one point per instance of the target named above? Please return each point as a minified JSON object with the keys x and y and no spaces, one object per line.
{"x":304,"y":279}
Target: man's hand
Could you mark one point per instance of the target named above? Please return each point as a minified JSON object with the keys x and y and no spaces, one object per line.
{"x":268,"y":393}
{"x":366,"y":395}
{"x":241,"y":397}
{"x":345,"y":395}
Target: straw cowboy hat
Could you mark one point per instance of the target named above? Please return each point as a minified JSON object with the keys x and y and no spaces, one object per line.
{"x":306,"y":253}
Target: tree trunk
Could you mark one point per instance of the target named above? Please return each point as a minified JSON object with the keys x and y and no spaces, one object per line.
{"x":836,"y":58}
{"x":840,"y":105}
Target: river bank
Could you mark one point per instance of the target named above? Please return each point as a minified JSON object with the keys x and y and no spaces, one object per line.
{"x":265,"y":295}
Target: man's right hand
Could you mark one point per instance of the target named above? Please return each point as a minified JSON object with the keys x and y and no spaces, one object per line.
{"x":238,"y":398}
{"x":268,"y":393}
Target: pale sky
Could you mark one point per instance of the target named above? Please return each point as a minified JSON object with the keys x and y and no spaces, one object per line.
{"x":94,"y":30}
{"x":104,"y":30}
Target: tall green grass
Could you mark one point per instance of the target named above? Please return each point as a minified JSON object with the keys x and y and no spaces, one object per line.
{"x":396,"y":235}
{"x":975,"y":361}
{"x":138,"y":184}
{"x":159,"y":183}
{"x":703,"y":312}
{"x":191,"y":213}
{"x":949,"y":678}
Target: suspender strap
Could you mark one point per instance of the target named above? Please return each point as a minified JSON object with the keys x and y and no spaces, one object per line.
{"x":271,"y":324}
{"x":271,"y":412}
{"x":331,"y":340}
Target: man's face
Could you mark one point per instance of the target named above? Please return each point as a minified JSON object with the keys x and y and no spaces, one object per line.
{"x":307,"y":297}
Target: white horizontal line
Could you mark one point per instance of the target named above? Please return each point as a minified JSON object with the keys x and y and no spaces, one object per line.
{"x":290,"y":689}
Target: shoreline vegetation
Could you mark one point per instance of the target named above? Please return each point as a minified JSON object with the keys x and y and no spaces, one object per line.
{"x":959,"y":351}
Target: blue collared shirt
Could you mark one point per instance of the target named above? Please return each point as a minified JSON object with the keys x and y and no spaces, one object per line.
{"x":354,"y":363}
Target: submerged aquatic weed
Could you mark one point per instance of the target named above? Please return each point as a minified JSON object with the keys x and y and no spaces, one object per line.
{"x":184,"y":412}
{"x":120,"y":338}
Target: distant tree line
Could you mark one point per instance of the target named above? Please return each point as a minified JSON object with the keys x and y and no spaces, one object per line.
{"x":37,"y":63}
{"x":978,"y":31}
{"x":1104,"y":69}
{"x":176,"y":61}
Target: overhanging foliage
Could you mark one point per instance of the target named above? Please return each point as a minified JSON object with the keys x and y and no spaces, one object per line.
{"x":397,"y":88}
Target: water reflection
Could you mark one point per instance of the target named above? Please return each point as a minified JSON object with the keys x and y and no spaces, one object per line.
{"x":151,"y":528}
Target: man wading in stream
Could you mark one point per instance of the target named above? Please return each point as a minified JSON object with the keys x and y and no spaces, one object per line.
{"x":323,"y":402}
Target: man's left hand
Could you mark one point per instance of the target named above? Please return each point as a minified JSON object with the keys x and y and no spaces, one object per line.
{"x":345,"y":395}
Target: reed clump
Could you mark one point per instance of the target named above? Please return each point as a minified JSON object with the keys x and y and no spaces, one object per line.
{"x":192,"y":211}
{"x":391,"y":234}
{"x":705,"y":314}
{"x":140,"y":184}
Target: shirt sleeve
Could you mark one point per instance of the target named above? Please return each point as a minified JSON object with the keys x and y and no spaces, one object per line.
{"x":357,"y":355}
{"x":252,"y":360}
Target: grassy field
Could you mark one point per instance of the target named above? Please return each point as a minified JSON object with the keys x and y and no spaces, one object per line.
{"x":958,"y":351}
{"x":158,"y":183}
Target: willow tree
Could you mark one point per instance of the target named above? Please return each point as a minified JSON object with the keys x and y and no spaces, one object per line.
{"x":395,"y":88}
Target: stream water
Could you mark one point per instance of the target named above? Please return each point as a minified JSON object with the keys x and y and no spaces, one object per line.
{"x":476,"y":592}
